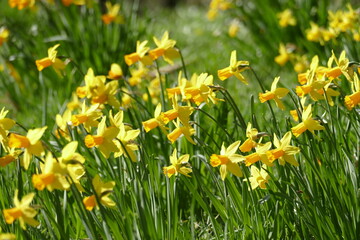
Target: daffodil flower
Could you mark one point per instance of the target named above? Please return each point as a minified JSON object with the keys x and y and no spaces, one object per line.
{"x":104,"y":140}
{"x":22,"y":211}
{"x":112,"y":14}
{"x":259,"y":155}
{"x":235,"y":69}
{"x":178,"y":165}
{"x":102,"y":191}
{"x":228,"y":160}
{"x":156,"y":121}
{"x":307,"y":123}
{"x":284,"y":151}
{"x":165,"y":48}
{"x":115,"y":72}
{"x":186,"y":130}
{"x":139,"y":55}
{"x":259,"y":177}
{"x":88,"y":117}
{"x":249,"y":143}
{"x":51,"y":59}
{"x":286,"y":18}
{"x":4,"y":34}
{"x":274,"y":93}
{"x":31,"y":143}
{"x":354,"y":99}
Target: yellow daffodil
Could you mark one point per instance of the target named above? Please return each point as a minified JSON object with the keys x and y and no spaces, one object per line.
{"x":10,"y":157}
{"x":50,"y":60}
{"x":75,"y":2}
{"x":259,"y":155}
{"x":88,"y":117}
{"x":235,"y":69}
{"x":186,"y":130}
{"x":125,"y":142}
{"x":4,"y":34}
{"x":22,"y":211}
{"x":104,"y":140}
{"x":178,"y":165}
{"x":5,"y":125}
{"x":165,"y":48}
{"x":259,"y":177}
{"x":307,"y":123}
{"x":102,"y":191}
{"x":228,"y":160}
{"x":139,"y":55}
{"x":7,"y":236}
{"x":156,"y":121}
{"x":284,"y":151}
{"x":112,"y":14}
{"x":354,"y":99}
{"x":63,"y":122}
{"x":181,"y":112}
{"x":286,"y":18}
{"x":274,"y":93}
{"x":199,"y":90}
{"x":21,"y":4}
{"x":284,"y":55}
{"x":233,"y":29}
{"x":74,"y":103}
{"x":251,"y":134}
{"x":115,"y":72}
{"x":31,"y":143}
{"x":138,"y":74}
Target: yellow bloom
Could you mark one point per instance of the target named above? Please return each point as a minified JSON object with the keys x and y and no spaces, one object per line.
{"x":102,"y":191}
{"x":228,"y":160}
{"x":354,"y":99}
{"x":125,"y":142}
{"x":50,"y":60}
{"x":22,"y":211}
{"x":259,"y":155}
{"x":235,"y":69}
{"x":7,"y":236}
{"x":104,"y":140}
{"x":112,"y":14}
{"x":75,"y":2}
{"x":259,"y":177}
{"x":249,"y":143}
{"x":20,"y":4}
{"x":274,"y":93}
{"x":63,"y":122}
{"x":5,"y":125}
{"x":165,"y":48}
{"x":4,"y":34}
{"x":88,"y":117}
{"x":31,"y":143}
{"x":9,"y":158}
{"x":284,"y":151}
{"x":307,"y":123}
{"x":186,"y":130}
{"x":178,"y":165}
{"x":284,"y":56}
{"x":286,"y":18}
{"x":115,"y":72}
{"x":233,"y":29}
{"x":157,"y":121}
{"x":139,"y":55}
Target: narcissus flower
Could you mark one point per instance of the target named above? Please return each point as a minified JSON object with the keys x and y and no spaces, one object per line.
{"x":112,"y":14}
{"x":228,"y":160}
{"x":115,"y":72}
{"x":75,"y":2}
{"x":354,"y":99}
{"x":10,"y":157}
{"x":22,"y":211}
{"x":274,"y":93}
{"x":31,"y":143}
{"x":5,"y":125}
{"x":7,"y":236}
{"x":4,"y":34}
{"x":165,"y":48}
{"x":20,"y":4}
{"x":125,"y":142}
{"x":286,"y":18}
{"x":139,"y":55}
{"x":259,"y":155}
{"x":50,"y":60}
{"x":104,"y":140}
{"x":259,"y":177}
{"x":186,"y":130}
{"x":284,"y":151}
{"x":284,"y":55}
{"x":102,"y":191}
{"x":178,"y":165}
{"x":307,"y":123}
{"x":251,"y":134}
{"x":235,"y":69}
{"x":156,"y":121}
{"x":88,"y":117}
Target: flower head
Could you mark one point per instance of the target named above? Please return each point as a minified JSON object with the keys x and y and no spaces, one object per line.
{"x":235,"y":69}
{"x":178,"y":165}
